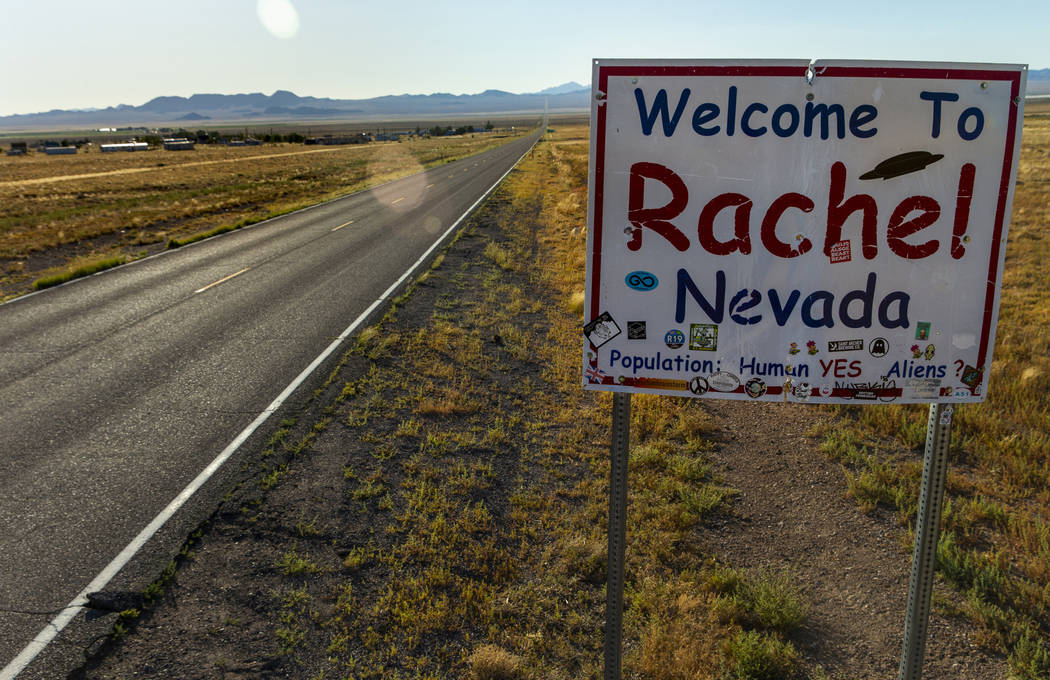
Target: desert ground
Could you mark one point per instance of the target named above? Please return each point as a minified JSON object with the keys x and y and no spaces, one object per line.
{"x":439,"y":508}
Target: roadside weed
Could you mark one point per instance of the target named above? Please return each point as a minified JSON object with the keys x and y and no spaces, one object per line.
{"x":489,"y":662}
{"x":759,"y":656}
{"x":292,"y":564}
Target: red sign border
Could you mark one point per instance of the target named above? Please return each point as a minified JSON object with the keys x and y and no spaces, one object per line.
{"x":851,"y":71}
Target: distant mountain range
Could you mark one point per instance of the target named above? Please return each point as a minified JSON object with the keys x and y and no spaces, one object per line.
{"x":1039,"y":81}
{"x":283,"y":104}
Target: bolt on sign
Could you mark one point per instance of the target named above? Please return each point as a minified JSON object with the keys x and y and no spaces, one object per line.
{"x":829,"y":232}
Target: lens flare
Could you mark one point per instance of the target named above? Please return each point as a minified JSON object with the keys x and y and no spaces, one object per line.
{"x":279,"y":17}
{"x":406,"y":195}
{"x":390,"y":160}
{"x":431,"y":224}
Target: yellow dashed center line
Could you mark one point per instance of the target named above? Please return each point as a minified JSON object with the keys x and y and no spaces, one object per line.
{"x":222,"y":280}
{"x":344,"y":224}
{"x":398,"y":201}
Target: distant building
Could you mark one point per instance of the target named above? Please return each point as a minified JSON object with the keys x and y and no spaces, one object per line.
{"x":329,"y":140}
{"x":60,"y":150}
{"x":178,"y":144}
{"x":125,"y":146}
{"x":18,"y":149}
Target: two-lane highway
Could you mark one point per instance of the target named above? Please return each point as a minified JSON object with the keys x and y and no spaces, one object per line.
{"x":116,"y":391}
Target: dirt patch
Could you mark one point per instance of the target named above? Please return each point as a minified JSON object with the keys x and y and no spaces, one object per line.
{"x":793,"y":513}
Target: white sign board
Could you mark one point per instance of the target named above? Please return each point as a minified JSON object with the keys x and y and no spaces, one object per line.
{"x":774,"y":230}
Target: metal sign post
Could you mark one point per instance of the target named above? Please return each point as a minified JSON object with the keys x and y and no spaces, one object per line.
{"x":621,"y":435}
{"x":927,"y":531}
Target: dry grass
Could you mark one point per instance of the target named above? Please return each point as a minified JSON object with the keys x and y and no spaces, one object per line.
{"x":492,"y":663}
{"x":95,"y":205}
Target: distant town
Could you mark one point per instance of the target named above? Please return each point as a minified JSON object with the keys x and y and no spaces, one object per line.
{"x":179,"y":139}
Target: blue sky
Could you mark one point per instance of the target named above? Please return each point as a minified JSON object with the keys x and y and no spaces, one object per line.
{"x":84,"y":53}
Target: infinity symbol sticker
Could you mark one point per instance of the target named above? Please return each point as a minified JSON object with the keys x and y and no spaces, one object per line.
{"x":641,"y":281}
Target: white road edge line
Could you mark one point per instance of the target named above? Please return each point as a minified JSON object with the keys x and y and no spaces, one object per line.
{"x":69,"y":612}
{"x":222,"y":280}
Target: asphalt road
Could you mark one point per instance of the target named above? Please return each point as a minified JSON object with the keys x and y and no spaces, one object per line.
{"x":118,"y":389}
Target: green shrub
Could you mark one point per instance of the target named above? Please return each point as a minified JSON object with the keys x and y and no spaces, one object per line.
{"x":759,"y":656}
{"x":1030,"y":659}
{"x":762,"y":599}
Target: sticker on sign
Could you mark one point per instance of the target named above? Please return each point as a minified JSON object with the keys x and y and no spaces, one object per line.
{"x":743,"y":209}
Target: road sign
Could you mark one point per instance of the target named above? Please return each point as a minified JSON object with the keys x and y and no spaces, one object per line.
{"x":773,"y":230}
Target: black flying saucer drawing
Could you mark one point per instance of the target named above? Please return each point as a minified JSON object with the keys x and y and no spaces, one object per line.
{"x":902,"y":164}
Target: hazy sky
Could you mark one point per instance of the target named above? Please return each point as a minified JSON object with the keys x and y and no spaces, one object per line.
{"x":84,"y":53}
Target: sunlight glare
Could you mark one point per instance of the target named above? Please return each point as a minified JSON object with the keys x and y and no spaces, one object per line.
{"x":279,"y":17}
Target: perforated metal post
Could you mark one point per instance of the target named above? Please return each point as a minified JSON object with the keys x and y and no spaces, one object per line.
{"x":621,"y":435}
{"x":927,"y":531}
